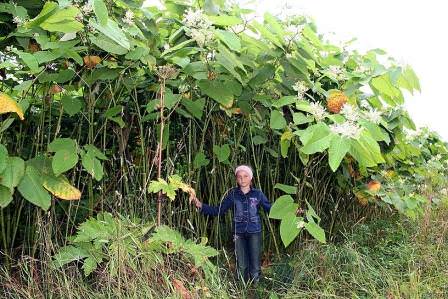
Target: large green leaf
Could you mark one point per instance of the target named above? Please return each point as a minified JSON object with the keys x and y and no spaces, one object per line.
{"x":5,"y":196}
{"x":107,"y":44}
{"x":290,"y":228}
{"x":3,"y":157}
{"x":316,"y":138}
{"x":92,"y":165}
{"x":222,"y":152}
{"x":195,"y":108}
{"x":63,"y":20}
{"x":277,"y":121}
{"x":100,"y":10}
{"x":224,"y":20}
{"x":59,"y":144}
{"x":218,"y":91}
{"x":230,"y":39}
{"x":31,"y":188}
{"x":316,"y":231}
{"x":200,"y":160}
{"x":13,"y":172}
{"x":339,"y":146}
{"x":283,"y":206}
{"x":64,"y":160}
{"x":112,"y":31}
{"x":384,"y":86}
{"x":71,"y":105}
{"x":409,"y":80}
{"x":286,"y":188}
{"x":48,"y":9}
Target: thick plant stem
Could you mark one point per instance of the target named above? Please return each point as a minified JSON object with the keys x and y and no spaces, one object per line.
{"x":159,"y":151}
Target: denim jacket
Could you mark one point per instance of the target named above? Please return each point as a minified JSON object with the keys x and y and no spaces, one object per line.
{"x":245,"y":209}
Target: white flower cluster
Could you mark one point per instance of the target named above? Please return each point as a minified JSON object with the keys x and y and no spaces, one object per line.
{"x":293,"y":32}
{"x":11,"y":65}
{"x":373,"y":116}
{"x":362,"y":69}
{"x":198,"y":27}
{"x":318,"y":111}
{"x":87,"y":9}
{"x":350,"y":112}
{"x":335,"y":71}
{"x":301,"y":87}
{"x":347,"y":129}
{"x":17,"y":20}
{"x":128,"y":18}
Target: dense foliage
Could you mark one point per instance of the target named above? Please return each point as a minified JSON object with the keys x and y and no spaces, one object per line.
{"x":105,"y":104}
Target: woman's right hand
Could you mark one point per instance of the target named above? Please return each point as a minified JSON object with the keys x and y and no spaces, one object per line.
{"x":195,"y":200}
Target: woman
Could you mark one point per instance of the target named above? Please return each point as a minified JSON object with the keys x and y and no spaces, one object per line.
{"x":245,"y":201}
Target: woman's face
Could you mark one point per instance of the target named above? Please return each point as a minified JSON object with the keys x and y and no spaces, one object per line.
{"x":243,"y":179}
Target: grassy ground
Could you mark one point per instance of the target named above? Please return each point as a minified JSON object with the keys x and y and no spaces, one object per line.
{"x":393,"y":258}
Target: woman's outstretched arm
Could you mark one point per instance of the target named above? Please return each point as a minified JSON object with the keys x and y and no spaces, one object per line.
{"x":213,"y":210}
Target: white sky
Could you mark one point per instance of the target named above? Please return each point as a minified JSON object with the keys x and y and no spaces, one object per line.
{"x":413,"y":32}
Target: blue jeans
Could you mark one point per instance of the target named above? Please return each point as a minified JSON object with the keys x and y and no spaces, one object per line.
{"x":247,"y":250}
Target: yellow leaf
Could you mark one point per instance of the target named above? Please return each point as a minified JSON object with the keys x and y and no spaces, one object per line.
{"x":9,"y":105}
{"x":61,"y":188}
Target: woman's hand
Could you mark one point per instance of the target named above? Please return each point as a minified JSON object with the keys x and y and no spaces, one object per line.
{"x":194,"y":200}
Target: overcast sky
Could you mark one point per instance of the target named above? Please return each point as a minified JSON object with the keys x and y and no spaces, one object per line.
{"x":413,"y":32}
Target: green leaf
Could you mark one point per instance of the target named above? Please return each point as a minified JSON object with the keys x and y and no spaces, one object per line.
{"x":89,"y":265}
{"x":112,"y":31}
{"x":107,"y":44}
{"x":316,"y":138}
{"x":3,"y":157}
{"x":283,"y":206}
{"x":68,"y":254}
{"x":5,"y":196}
{"x":48,"y":9}
{"x":30,"y":61}
{"x":94,"y":151}
{"x":63,"y":20}
{"x":92,"y":165}
{"x":230,"y":39}
{"x":299,"y":118}
{"x":409,"y":80}
{"x":258,"y":139}
{"x":71,"y":105}
{"x":267,"y":34}
{"x":285,"y":142}
{"x":222,"y":152}
{"x":286,"y":188}
{"x":100,"y":10}
{"x":195,"y":108}
{"x":383,"y":85}
{"x":230,"y":62}
{"x":13,"y":172}
{"x":290,"y":228}
{"x":59,"y":144}
{"x":64,"y":160}
{"x":224,"y":20}
{"x":277,"y":121}
{"x":31,"y":188}
{"x":316,"y":231}
{"x":283,"y":101}
{"x":218,"y":91}
{"x":339,"y":146}
{"x":200,"y":160}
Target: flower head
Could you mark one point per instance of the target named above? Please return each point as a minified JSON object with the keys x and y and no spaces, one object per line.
{"x":128,"y":17}
{"x":347,"y":129}
{"x":373,"y":116}
{"x":196,"y":19}
{"x":301,"y":87}
{"x":350,"y":112}
{"x":318,"y":111}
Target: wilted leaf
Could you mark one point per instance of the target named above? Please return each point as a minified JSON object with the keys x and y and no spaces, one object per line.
{"x":9,"y":105}
{"x":61,"y":187}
